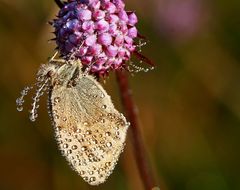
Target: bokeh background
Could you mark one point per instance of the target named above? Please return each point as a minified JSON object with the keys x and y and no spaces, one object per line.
{"x":189,"y":106}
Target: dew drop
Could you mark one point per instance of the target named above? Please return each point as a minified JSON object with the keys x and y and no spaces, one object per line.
{"x":91,"y":173}
{"x":85,"y":123}
{"x":84,"y":148}
{"x":74,"y":147}
{"x":65,"y":145}
{"x":92,"y":179}
{"x":69,"y":151}
{"x":104,"y":106}
{"x":57,"y":99}
{"x":82,"y":172}
{"x":109,"y":144}
{"x":102,"y":96}
{"x":20,"y":108}
{"x":32,"y":118}
{"x":108,"y":134}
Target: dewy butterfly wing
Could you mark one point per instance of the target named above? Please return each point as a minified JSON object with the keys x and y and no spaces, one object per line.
{"x":90,"y":132}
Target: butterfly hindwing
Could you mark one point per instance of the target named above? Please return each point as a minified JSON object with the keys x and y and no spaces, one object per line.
{"x":90,"y":132}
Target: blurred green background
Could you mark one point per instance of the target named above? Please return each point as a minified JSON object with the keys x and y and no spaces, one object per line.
{"x":189,"y":106}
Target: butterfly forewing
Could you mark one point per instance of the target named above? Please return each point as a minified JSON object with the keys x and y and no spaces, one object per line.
{"x":90,"y":132}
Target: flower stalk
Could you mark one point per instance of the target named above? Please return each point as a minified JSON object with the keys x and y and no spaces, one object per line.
{"x":140,"y":152}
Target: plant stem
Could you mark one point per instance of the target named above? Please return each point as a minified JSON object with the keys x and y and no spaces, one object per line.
{"x":138,"y":144}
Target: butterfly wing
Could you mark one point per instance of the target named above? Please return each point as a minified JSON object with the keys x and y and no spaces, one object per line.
{"x":90,"y":132}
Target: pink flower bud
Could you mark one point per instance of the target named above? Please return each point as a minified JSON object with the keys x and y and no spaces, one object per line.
{"x":105,"y":39}
{"x":124,"y":28}
{"x":119,"y":40}
{"x":132,"y":19}
{"x":132,"y":32}
{"x":112,"y":18}
{"x":90,"y":40}
{"x":111,"y":51}
{"x":86,"y":60}
{"x":98,"y":14}
{"x":123,"y":15}
{"x":113,"y":29}
{"x":102,"y":25}
{"x":95,"y":49}
{"x":82,"y":51}
{"x":129,"y":40}
{"x":121,"y":52}
{"x":95,"y":4}
{"x":110,"y":7}
{"x":119,"y":4}
{"x":84,"y":14}
{"x":88,"y":26}
{"x":75,"y":39}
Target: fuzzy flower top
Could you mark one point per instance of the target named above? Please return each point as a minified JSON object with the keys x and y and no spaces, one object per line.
{"x":98,"y":32}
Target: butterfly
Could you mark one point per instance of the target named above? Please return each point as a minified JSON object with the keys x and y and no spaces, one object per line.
{"x":89,"y":131}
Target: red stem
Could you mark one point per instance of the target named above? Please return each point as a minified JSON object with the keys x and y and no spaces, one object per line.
{"x":138,"y":145}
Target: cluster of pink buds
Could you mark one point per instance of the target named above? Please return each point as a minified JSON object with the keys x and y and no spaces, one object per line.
{"x":98,"y":32}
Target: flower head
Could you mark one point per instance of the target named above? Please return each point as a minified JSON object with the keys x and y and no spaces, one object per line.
{"x":98,"y":32}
